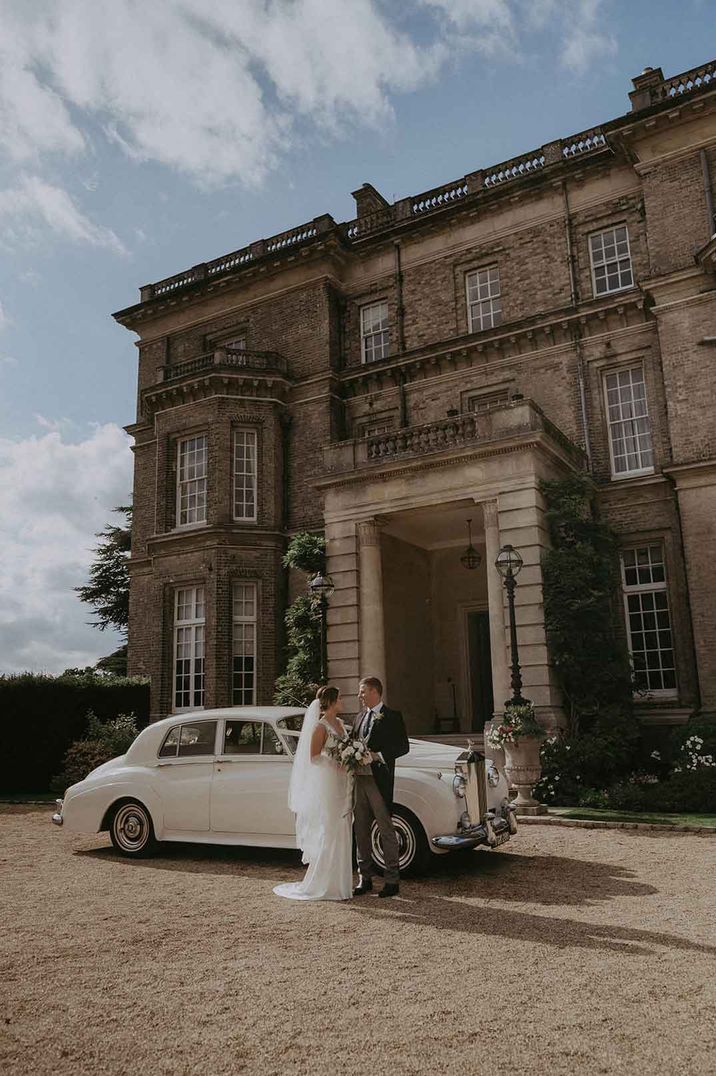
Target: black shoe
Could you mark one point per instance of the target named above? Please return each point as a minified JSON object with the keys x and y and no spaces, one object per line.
{"x":364,"y":886}
{"x":390,"y":889}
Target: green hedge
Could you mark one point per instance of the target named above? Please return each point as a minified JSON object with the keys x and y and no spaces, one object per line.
{"x":40,"y":716}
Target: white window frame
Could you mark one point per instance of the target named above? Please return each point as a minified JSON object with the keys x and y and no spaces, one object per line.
{"x":234,"y":343}
{"x":249,"y":481}
{"x":245,"y":626}
{"x":374,"y":340}
{"x":624,"y":422}
{"x":189,"y":631}
{"x":375,"y":429}
{"x":484,"y":307}
{"x":601,"y":261}
{"x":651,"y":587}
{"x":196,"y":486}
{"x":496,"y":398}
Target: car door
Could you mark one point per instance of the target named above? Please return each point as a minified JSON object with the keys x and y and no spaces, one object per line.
{"x":249,"y":790}
{"x":185,"y":770}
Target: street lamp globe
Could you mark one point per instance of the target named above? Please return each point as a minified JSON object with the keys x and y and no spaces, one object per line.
{"x":321,"y":586}
{"x":508,"y":562}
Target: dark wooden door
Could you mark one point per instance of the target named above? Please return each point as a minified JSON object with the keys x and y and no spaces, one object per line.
{"x":478,"y":628}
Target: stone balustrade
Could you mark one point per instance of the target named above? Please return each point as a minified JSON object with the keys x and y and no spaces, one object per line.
{"x":507,"y":420}
{"x":239,"y":258}
{"x":650,"y":88}
{"x":586,"y":142}
{"x":226,"y":359}
{"x":695,"y":79}
{"x":525,"y":165}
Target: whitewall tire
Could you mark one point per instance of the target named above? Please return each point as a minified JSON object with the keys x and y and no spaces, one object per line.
{"x":131,"y":830}
{"x":413,"y":850}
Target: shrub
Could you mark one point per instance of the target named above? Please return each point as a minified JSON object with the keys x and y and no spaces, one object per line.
{"x":596,"y":759}
{"x":102,"y":742}
{"x":680,"y":776}
{"x":40,"y":716}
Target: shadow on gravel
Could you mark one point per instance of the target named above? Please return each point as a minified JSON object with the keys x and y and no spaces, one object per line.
{"x":443,"y":913}
{"x":281,"y":864}
{"x":535,"y":879}
{"x":546,"y":880}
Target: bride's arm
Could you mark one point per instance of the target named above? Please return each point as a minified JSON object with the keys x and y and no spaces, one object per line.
{"x":317,"y":741}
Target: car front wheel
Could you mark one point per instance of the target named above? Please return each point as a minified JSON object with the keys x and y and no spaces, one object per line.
{"x":131,"y":830}
{"x":413,"y":851}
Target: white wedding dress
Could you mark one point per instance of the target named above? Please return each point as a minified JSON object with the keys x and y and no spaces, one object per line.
{"x":320,"y":794}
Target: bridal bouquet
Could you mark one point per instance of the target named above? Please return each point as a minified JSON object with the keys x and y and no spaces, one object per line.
{"x":349,"y":753}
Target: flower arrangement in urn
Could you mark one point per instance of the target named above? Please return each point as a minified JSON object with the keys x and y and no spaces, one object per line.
{"x":519,"y":734}
{"x":517,"y":721}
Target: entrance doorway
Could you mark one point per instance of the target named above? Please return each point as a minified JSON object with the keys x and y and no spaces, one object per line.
{"x":479,"y":669}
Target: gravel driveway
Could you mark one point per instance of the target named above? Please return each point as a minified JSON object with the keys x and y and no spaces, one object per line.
{"x":568,"y":951}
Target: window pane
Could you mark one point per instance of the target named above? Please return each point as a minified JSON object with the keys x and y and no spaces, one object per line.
{"x":189,"y":648}
{"x":244,"y":644}
{"x":242,"y":738}
{"x":611,"y":260}
{"x":192,"y":480}
{"x":245,"y":474}
{"x":483,"y":298}
{"x":648,"y":620}
{"x":628,"y":420}
{"x":171,"y":743}
{"x":197,"y":739}
{"x":374,"y":332}
{"x":271,"y":745}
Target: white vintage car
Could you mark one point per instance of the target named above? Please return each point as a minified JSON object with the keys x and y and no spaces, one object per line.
{"x":221,"y":777}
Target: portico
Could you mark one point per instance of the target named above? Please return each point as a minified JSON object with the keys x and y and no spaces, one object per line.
{"x":404,"y":607}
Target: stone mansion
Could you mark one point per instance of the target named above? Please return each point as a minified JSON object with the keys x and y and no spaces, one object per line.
{"x":385,"y":380}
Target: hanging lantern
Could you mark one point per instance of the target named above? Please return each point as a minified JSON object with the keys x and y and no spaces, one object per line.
{"x":470,"y":559}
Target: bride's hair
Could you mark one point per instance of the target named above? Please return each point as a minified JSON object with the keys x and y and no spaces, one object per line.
{"x":326,"y":697}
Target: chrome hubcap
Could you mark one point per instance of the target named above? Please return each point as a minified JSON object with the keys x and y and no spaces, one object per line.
{"x":131,"y":827}
{"x":406,"y":843}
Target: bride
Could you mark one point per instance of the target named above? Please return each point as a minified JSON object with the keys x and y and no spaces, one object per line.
{"x":320,"y":795}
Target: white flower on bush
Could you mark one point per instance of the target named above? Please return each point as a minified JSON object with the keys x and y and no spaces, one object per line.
{"x":656,"y":755}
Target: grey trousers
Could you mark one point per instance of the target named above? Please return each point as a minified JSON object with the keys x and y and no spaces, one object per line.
{"x":369,"y":804}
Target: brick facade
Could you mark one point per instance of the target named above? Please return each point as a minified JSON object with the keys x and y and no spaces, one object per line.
{"x":303,"y":386}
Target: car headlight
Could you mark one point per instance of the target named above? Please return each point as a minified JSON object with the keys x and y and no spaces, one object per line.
{"x":458,"y":785}
{"x":493,"y":775}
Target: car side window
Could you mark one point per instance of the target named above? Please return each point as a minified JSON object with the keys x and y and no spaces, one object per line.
{"x":242,"y":738}
{"x":171,"y":743}
{"x":270,"y":743}
{"x":197,"y":739}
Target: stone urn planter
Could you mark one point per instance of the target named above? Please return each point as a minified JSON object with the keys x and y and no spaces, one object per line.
{"x":523,"y":771}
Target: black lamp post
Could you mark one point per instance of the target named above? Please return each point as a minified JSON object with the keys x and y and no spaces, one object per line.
{"x":321,"y":587}
{"x":509,"y":564}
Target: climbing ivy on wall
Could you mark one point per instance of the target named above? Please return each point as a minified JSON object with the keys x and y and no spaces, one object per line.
{"x":306,"y":553}
{"x":581,"y":581}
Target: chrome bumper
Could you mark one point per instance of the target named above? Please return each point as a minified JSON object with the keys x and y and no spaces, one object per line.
{"x":57,"y":816}
{"x":496,"y":829}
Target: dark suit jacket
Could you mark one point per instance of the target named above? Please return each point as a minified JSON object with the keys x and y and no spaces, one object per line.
{"x":390,"y":738}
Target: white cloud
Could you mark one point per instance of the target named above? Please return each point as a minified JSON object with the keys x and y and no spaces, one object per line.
{"x":54,"y":497}
{"x":585,"y":38}
{"x":7,"y":360}
{"x":32,"y":208}
{"x":3,"y":318}
{"x":220,"y":91}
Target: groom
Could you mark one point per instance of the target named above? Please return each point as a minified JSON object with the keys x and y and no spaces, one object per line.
{"x":384,"y":732}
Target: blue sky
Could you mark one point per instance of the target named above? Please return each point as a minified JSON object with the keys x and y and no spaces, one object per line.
{"x":140,"y":139}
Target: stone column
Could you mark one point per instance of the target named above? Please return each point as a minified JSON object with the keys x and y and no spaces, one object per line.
{"x":495,"y":599}
{"x":372,"y":622}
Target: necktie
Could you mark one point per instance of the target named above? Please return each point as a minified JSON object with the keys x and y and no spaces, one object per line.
{"x":367,"y":724}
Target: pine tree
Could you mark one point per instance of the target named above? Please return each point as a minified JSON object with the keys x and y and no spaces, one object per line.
{"x":108,"y":588}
